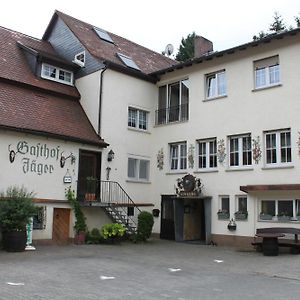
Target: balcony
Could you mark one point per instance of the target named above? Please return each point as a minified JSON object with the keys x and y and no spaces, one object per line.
{"x":172,"y":114}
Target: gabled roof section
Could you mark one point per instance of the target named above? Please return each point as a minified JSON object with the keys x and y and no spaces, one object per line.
{"x":39,"y":113}
{"x":147,"y":60}
{"x":14,"y":66}
{"x":207,"y":57}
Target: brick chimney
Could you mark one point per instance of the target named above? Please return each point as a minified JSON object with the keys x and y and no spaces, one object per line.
{"x":202,"y":46}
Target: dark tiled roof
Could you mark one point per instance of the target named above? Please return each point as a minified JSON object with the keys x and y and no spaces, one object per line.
{"x":14,"y":66}
{"x":147,"y":60}
{"x":28,"y":110}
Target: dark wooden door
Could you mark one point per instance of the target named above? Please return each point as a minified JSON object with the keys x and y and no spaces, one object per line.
{"x":167,"y":229}
{"x":61,"y":226}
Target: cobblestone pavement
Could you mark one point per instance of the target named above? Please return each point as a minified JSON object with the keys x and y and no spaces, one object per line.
{"x":154,"y":270}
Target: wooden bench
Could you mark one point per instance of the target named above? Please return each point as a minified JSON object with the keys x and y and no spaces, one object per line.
{"x":293,"y":244}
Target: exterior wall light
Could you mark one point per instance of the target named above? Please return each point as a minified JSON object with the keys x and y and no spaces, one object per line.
{"x":110,"y":155}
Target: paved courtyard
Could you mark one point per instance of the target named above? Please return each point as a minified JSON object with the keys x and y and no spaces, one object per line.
{"x":155,"y":270}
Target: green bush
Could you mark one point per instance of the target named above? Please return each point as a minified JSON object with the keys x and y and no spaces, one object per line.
{"x":94,"y":237}
{"x":16,"y":209}
{"x":145,"y":225}
{"x":80,"y":219}
{"x":112,"y":230}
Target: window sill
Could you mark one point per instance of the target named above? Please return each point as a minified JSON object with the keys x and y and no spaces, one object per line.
{"x":239,"y":169}
{"x":138,"y":130}
{"x":176,"y":172}
{"x":266,"y":87}
{"x":206,"y":171}
{"x":214,"y":98}
{"x":171,"y":123}
{"x":138,"y":181}
{"x":277,"y":167}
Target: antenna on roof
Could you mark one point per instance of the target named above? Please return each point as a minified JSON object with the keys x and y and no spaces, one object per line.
{"x":168,"y":50}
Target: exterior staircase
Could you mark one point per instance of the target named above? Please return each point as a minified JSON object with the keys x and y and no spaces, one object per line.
{"x":112,"y":198}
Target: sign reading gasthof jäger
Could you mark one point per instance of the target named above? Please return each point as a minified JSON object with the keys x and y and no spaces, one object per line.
{"x":38,"y":158}
{"x":188,"y":186}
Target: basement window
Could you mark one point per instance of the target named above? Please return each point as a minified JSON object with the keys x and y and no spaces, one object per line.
{"x":103,"y":35}
{"x":128,"y":61}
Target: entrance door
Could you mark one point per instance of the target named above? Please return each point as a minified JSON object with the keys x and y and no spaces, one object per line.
{"x":61,"y":226}
{"x":88,"y":174}
{"x":167,"y":230}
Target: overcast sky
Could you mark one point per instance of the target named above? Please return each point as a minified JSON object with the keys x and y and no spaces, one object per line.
{"x":156,"y":23}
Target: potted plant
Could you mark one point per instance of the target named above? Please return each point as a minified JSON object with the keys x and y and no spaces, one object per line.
{"x":90,"y":194}
{"x":80,"y":226}
{"x":112,"y":232}
{"x":223,"y":214}
{"x":241,"y":215}
{"x":283,"y":217}
{"x":16,"y":209}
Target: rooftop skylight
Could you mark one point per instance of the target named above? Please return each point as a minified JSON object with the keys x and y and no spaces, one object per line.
{"x":128,"y":61}
{"x":103,"y":35}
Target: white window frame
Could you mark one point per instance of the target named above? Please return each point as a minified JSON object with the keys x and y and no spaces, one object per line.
{"x":269,"y":69}
{"x":277,"y":148}
{"x":56,"y":78}
{"x":167,"y":102}
{"x":207,"y":155}
{"x":221,"y":197}
{"x":237,"y":205}
{"x":138,"y":118}
{"x":181,"y":158}
{"x":136,"y":176}
{"x":294,"y":201}
{"x":240,"y":151}
{"x":213,"y":83}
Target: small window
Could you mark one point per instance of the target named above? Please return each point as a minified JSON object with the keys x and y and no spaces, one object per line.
{"x":127,"y":61}
{"x":242,"y":204}
{"x":137,"y":118}
{"x":207,"y":154}
{"x":138,"y":169}
{"x":57,"y":74}
{"x":225,"y":204}
{"x":240,"y":151}
{"x":215,"y":84}
{"x":80,"y":59}
{"x":178,"y":156}
{"x":103,"y":35}
{"x":130,"y":211}
{"x":267,"y":72}
{"x":278,"y":147}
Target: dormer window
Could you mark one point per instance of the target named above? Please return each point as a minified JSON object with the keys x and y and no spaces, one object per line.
{"x":57,"y":74}
{"x":79,"y":59}
{"x":128,"y":61}
{"x":103,"y":35}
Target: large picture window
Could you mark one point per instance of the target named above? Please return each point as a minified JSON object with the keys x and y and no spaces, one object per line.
{"x":281,"y":210}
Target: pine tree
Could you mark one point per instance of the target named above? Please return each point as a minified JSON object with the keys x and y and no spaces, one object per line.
{"x":186,"y":48}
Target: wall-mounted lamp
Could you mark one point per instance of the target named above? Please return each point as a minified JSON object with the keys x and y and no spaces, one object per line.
{"x":110,"y":155}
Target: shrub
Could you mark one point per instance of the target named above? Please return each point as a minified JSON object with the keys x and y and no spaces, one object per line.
{"x":112,"y":230}
{"x":16,"y":209}
{"x":145,"y":225}
{"x":94,"y":237}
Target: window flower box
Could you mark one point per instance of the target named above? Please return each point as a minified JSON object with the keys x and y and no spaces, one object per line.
{"x":223,"y":215}
{"x":284,"y":218}
{"x":241,"y":215}
{"x":263,"y":216}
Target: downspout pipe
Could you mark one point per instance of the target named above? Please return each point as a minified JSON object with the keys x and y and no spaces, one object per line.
{"x":100,"y":99}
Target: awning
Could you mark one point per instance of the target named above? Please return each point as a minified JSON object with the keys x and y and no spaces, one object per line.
{"x":269,"y":187}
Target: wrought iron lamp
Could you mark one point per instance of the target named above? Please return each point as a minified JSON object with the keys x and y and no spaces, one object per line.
{"x":110,"y":155}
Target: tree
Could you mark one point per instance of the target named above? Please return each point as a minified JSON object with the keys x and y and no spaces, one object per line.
{"x":297,"y":20}
{"x":186,"y":48}
{"x":278,"y":23}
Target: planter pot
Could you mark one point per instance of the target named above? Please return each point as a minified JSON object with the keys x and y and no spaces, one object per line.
{"x":79,"y":238}
{"x":231,"y":227}
{"x":265,"y":217}
{"x":90,"y":197}
{"x":14,"y":241}
{"x":223,"y":216}
{"x":284,"y":218}
{"x":241,"y":216}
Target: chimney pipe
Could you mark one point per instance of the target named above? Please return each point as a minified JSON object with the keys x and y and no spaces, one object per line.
{"x":202,"y":46}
